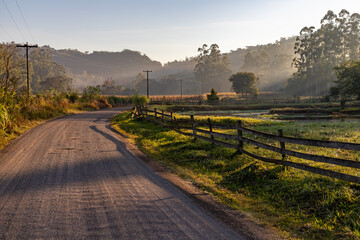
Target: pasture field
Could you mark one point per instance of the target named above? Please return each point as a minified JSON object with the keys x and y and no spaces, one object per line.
{"x":301,"y":204}
{"x":268,"y":110}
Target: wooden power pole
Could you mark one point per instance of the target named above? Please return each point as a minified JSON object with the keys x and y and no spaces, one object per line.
{"x":181,"y":90}
{"x":27,"y":47}
{"x":147,"y":82}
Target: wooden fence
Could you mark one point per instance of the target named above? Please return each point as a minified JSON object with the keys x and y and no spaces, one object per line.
{"x":196,"y":127}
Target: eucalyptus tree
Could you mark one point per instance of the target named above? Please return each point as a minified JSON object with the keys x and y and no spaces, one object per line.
{"x":212,"y":68}
{"x":318,"y":51}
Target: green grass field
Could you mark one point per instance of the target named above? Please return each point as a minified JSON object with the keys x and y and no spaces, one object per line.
{"x":304,"y":205}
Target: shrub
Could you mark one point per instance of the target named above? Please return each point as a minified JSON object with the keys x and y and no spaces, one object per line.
{"x":90,"y":94}
{"x":116,"y":101}
{"x":4,"y":117}
{"x":72,"y":96}
{"x":139,"y":100}
{"x":212,"y":97}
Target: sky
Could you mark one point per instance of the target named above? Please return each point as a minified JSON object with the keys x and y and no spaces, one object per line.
{"x":164,"y":30}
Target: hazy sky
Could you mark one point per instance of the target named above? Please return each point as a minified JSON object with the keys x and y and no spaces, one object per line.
{"x":164,"y":30}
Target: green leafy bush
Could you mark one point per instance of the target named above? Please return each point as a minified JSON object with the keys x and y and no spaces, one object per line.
{"x":139,"y":100}
{"x":90,"y":94}
{"x":72,"y":96}
{"x":115,"y":101}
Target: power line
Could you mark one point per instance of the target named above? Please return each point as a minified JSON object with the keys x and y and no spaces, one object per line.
{"x":27,"y":26}
{"x":13,"y":20}
{"x":6,"y":32}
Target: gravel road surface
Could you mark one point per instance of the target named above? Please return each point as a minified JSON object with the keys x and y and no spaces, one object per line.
{"x":71,"y":178}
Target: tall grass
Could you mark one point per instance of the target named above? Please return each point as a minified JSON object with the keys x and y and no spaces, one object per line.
{"x":139,"y":100}
{"x":4,"y":117}
{"x":17,"y":112}
{"x":306,"y":205}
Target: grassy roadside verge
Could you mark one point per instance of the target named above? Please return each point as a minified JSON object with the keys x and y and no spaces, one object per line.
{"x":19,"y":113}
{"x":306,"y":206}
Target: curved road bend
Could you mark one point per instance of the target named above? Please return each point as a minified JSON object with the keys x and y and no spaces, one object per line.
{"x":71,"y":178}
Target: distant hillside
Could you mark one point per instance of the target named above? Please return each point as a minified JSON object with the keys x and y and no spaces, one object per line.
{"x":120,"y":66}
{"x":107,"y":64}
{"x":270,"y":62}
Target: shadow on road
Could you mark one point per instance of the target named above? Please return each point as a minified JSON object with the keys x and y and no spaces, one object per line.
{"x":117,"y":165}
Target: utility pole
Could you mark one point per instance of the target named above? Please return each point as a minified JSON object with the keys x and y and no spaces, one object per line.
{"x":181,"y":81}
{"x":147,"y":82}
{"x":27,"y":47}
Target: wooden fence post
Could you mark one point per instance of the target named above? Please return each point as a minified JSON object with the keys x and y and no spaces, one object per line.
{"x":133,"y":113}
{"x":162,"y":115}
{"x":282,"y":144}
{"x":193,"y":126}
{"x":211,"y":130}
{"x":146,"y":113}
{"x":139,"y":111}
{"x":171,"y":116}
{"x":240,"y":134}
{"x":155,"y":113}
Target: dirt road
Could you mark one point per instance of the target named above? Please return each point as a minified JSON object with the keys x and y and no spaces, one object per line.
{"x":71,"y":178}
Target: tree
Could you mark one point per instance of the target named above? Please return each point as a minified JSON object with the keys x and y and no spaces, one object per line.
{"x":256,"y":61}
{"x":244,"y":82}
{"x":348,"y":81}
{"x":59,"y":83}
{"x":212,"y":68}
{"x":318,"y":51}
{"x":140,"y":78}
{"x":46,"y":73}
{"x":11,"y":67}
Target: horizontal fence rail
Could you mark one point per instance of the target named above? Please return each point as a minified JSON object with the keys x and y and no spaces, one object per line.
{"x":178,"y":125}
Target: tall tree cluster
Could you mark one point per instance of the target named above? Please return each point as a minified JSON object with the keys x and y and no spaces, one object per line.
{"x":319,"y":51}
{"x":11,"y":67}
{"x":47,"y":74}
{"x":271,"y":63}
{"x":212,"y":69}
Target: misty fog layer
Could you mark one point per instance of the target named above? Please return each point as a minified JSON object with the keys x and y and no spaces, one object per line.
{"x":271,"y":63}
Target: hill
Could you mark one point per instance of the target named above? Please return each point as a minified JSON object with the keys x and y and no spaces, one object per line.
{"x":270,"y":62}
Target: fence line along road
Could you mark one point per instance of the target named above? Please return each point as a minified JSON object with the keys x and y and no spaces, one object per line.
{"x":169,"y":120}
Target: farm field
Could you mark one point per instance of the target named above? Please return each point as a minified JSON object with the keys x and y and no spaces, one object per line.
{"x":302,"y":204}
{"x":279,"y":111}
